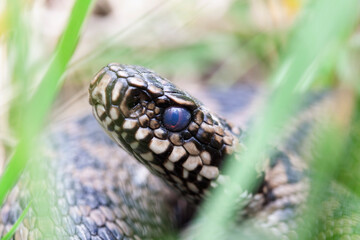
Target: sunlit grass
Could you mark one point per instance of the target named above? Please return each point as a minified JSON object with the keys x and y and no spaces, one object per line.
{"x":16,"y":224}
{"x":310,"y":56}
{"x":322,"y":29}
{"x":348,"y":173}
{"x":35,"y":106}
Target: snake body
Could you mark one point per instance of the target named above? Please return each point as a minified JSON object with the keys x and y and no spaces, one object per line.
{"x":90,"y":189}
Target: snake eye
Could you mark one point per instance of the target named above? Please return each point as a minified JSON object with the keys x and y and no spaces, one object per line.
{"x":176,"y":118}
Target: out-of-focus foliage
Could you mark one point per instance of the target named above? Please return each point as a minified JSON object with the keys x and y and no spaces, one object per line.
{"x":304,"y":61}
{"x":221,"y":42}
{"x":29,"y":108}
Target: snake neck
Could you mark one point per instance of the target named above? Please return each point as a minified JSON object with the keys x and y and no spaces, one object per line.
{"x":172,"y":133}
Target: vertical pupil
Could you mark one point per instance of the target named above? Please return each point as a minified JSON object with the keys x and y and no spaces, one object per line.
{"x":176,"y":118}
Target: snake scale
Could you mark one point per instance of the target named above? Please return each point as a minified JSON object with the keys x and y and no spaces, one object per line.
{"x":84,"y":187}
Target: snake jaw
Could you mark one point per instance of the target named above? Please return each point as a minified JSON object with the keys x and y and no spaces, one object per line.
{"x":129,"y":102}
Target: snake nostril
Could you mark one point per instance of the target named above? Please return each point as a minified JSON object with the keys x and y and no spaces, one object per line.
{"x":132,"y":103}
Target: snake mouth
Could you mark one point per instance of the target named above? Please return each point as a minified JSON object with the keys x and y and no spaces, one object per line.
{"x":163,"y":127}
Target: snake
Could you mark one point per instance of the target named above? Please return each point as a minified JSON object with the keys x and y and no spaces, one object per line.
{"x":171,"y":155}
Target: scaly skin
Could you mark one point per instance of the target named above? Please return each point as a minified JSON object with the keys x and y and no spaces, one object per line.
{"x":91,"y":190}
{"x":85,"y":187}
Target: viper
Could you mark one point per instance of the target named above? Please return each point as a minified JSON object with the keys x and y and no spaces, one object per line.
{"x":171,"y":157}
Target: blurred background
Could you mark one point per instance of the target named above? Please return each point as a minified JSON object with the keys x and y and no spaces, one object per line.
{"x":217,"y":43}
{"x":221,"y":43}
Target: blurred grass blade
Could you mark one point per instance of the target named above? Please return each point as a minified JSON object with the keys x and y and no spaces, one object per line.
{"x":349,"y":172}
{"x":40,"y":102}
{"x":321,"y":28}
{"x":18,"y":42}
{"x":325,"y":165}
{"x":8,"y":235}
{"x":51,"y":81}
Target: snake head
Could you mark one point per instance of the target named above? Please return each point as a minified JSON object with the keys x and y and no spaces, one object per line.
{"x":163,"y":127}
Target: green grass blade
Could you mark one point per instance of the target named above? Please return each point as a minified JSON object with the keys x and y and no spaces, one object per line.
{"x":322,"y":28}
{"x":348,"y":173}
{"x":16,"y":224}
{"x":18,"y":41}
{"x":40,"y":102}
{"x":62,"y":55}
